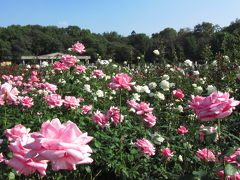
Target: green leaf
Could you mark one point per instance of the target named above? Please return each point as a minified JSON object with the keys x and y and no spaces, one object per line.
{"x":229,"y":170}
{"x":88,"y":169}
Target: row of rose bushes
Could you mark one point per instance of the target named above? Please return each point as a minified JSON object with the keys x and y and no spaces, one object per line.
{"x":139,"y":121}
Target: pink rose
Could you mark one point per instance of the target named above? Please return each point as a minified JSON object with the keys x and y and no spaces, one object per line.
{"x":25,"y":165}
{"x":78,"y":47}
{"x":98,"y":73}
{"x":217,"y":105}
{"x":8,"y":94}
{"x":221,"y":176}
{"x":114,"y":115}
{"x":80,"y":68}
{"x":18,"y":131}
{"x":182,"y":130}
{"x":121,"y":80}
{"x":86,"y":109}
{"x":26,"y":101}
{"x":143,"y":108}
{"x":146,"y":146}
{"x":178,"y":94}
{"x":60,"y":66}
{"x":47,"y":86}
{"x":206,"y":155}
{"x":71,"y":102}
{"x":233,"y":158}
{"x":54,"y":100}
{"x":64,"y":145}
{"x":68,"y":60}
{"x":167,"y":152}
{"x":132,"y":104}
{"x":149,"y":119}
{"x":100,"y":118}
{"x":34,"y":73}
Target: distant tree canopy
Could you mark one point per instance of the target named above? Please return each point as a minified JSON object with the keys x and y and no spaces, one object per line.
{"x":202,"y":43}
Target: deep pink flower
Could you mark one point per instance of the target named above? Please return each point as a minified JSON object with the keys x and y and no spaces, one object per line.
{"x":145,"y":146}
{"x":68,"y":60}
{"x":100,"y":118}
{"x":26,"y":101}
{"x":78,"y":47}
{"x":182,"y":130}
{"x":60,"y":66}
{"x":167,"y":152}
{"x":233,"y":158}
{"x":34,"y":79}
{"x":80,"y":68}
{"x":18,"y":131}
{"x":178,"y":94}
{"x":34,"y":73}
{"x":206,"y":155}
{"x":121,"y":80}
{"x":150,"y":119}
{"x":25,"y":165}
{"x":64,"y":145}
{"x":221,"y":176}
{"x":114,"y":115}
{"x":54,"y":100}
{"x":217,"y":105}
{"x":143,"y":108}
{"x":86,"y":109}
{"x":99,"y":73}
{"x":71,"y":102}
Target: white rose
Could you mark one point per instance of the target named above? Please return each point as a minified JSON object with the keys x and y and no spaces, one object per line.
{"x":211,"y":89}
{"x":159,"y":96}
{"x":165,"y":85}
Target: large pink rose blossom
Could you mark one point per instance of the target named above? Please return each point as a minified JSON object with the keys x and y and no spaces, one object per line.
{"x":182,"y":130}
{"x":100,"y":118}
{"x":54,"y":100}
{"x":71,"y":102}
{"x":206,"y":155}
{"x":64,"y":145}
{"x":68,"y":60}
{"x":145,"y":146}
{"x":25,"y":165}
{"x":121,"y":80}
{"x":8,"y":94}
{"x":167,"y":152}
{"x":143,"y":108}
{"x":78,"y":47}
{"x":150,"y":119}
{"x":18,"y":131}
{"x":114,"y":115}
{"x":178,"y":94}
{"x":217,"y":105}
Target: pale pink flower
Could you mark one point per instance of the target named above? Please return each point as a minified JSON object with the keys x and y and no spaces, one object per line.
{"x":206,"y":155}
{"x":132,"y":104}
{"x":25,"y":165}
{"x":1,"y":157}
{"x":26,"y":101}
{"x":145,"y":146}
{"x":78,"y":47}
{"x":60,"y":66}
{"x":207,"y":130}
{"x":54,"y":100}
{"x":143,"y":108}
{"x":47,"y":86}
{"x":121,"y":80}
{"x":34,"y":79}
{"x":217,"y":105}
{"x":80,"y":68}
{"x":8,"y":94}
{"x":68,"y":60}
{"x":86,"y":109}
{"x":100,"y":118}
{"x":182,"y":130}
{"x":115,"y":115}
{"x":71,"y":102}
{"x":99,"y":73}
{"x":167,"y":152}
{"x":18,"y":131}
{"x":64,"y":145}
{"x":178,"y":94}
{"x":150,"y":119}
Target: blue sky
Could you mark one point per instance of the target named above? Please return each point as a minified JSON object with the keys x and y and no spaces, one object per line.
{"x":122,"y":16}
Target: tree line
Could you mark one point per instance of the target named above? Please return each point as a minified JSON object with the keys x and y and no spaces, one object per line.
{"x":200,"y":44}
